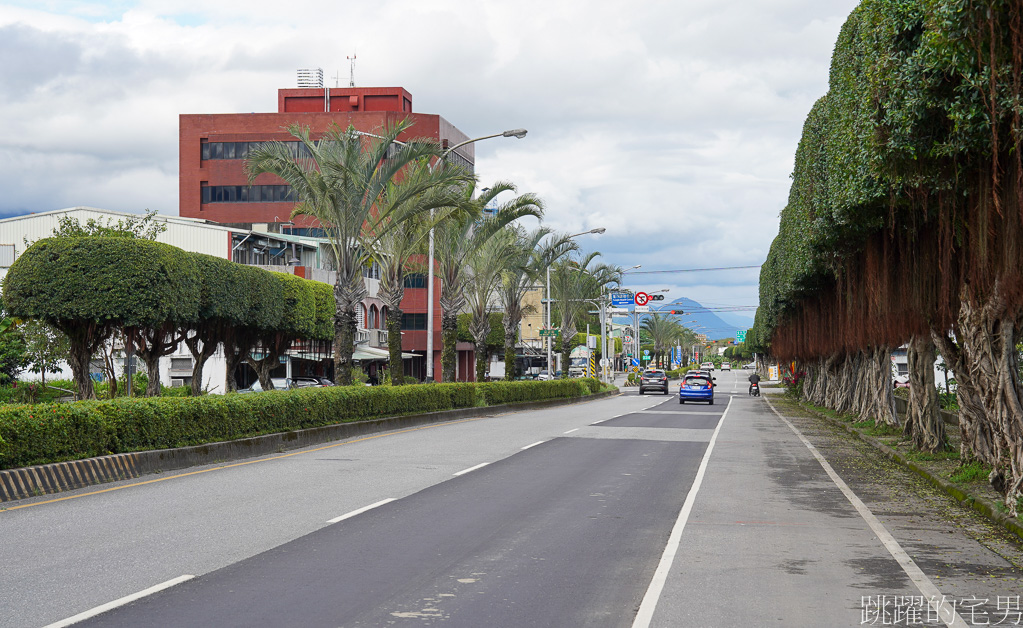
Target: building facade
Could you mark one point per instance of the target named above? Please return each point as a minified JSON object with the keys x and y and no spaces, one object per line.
{"x":213,"y":185}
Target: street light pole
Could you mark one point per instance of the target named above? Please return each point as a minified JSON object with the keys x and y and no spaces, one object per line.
{"x":516,"y":133}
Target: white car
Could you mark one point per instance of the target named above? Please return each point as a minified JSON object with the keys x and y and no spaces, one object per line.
{"x":726,"y":366}
{"x":544,"y":376}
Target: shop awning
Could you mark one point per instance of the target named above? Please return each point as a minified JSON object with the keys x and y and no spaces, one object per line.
{"x":372,"y":353}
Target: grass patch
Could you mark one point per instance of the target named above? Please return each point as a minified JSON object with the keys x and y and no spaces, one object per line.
{"x":970,"y":472}
{"x":871,"y":429}
{"x":926,"y":456}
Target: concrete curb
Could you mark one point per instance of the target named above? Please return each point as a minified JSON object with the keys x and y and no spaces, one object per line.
{"x":980,"y":504}
{"x":64,"y":476}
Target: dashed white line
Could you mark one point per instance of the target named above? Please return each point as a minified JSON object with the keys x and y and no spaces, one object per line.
{"x":361,"y":510}
{"x":120,"y":602}
{"x":570,"y":431}
{"x":479,"y":466}
{"x":539,"y":442}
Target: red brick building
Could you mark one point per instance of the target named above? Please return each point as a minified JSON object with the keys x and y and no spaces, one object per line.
{"x":213,"y":185}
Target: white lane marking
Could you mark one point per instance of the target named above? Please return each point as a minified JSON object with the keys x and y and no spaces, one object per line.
{"x":946,"y":612}
{"x":361,"y":510}
{"x":539,"y":442}
{"x":570,"y":431}
{"x":479,"y":466}
{"x":653,"y":593}
{"x":120,"y":602}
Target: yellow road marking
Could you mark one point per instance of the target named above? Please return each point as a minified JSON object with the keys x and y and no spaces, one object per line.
{"x":248,"y":462}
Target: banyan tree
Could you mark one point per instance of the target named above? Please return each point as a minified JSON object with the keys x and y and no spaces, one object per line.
{"x":904,"y":225}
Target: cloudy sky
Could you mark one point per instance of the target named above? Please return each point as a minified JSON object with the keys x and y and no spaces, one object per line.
{"x":672,"y":124}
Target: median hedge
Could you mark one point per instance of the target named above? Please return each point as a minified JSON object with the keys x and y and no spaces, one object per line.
{"x":55,"y":432}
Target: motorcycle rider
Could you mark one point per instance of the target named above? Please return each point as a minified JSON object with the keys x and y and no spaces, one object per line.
{"x":753,"y":379}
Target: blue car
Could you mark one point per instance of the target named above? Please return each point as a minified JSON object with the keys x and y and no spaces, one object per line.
{"x":697,"y":388}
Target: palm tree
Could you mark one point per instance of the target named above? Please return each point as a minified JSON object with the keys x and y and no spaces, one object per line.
{"x":573,"y":284}
{"x":456,"y":240}
{"x":663,"y":330}
{"x":341,"y":184}
{"x":527,"y":260}
{"x":485,"y":267}
{"x":397,"y":251}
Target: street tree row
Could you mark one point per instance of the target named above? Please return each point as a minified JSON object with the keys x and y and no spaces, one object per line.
{"x":904,"y":225}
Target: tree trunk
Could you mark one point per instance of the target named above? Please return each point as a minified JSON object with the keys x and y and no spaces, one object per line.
{"x":923,"y":419}
{"x":273,"y":347}
{"x":974,"y":430}
{"x":989,"y":333}
{"x":237,"y":343}
{"x":875,"y":394}
{"x":202,"y":346}
{"x":151,"y":345}
{"x":510,"y":334}
{"x":397,"y":367}
{"x":78,"y":359}
{"x":345,"y":328}
{"x":449,"y":337}
{"x":566,"y":337}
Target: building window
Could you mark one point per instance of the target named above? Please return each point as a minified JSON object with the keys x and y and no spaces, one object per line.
{"x":241,"y":150}
{"x":413,"y":322}
{"x":415,"y":280}
{"x":248,"y":194}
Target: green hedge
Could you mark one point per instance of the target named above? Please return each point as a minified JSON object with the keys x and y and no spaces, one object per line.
{"x":54,"y":432}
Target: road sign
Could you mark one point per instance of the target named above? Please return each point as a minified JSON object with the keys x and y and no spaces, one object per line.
{"x":642,"y":309}
{"x":627,"y":339}
{"x":621,"y":298}
{"x":549,"y":332}
{"x":740,"y":335}
{"x":635,"y":361}
{"x":647,"y":358}
{"x":619,"y":310}
{"x":646,"y":351}
{"x":605,"y":362}
{"x":642,"y":298}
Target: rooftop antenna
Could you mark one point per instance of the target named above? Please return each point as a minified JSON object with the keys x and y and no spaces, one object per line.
{"x":337,"y":78}
{"x":351,"y":74}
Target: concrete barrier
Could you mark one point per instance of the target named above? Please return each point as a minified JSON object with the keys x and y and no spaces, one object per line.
{"x":64,"y":476}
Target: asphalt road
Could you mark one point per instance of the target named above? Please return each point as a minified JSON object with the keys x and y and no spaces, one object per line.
{"x":607,"y":513}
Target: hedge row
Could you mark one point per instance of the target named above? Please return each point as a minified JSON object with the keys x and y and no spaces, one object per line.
{"x":55,"y":432}
{"x":139,"y":283}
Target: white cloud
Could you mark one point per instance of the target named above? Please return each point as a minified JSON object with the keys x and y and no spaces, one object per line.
{"x":672,"y":124}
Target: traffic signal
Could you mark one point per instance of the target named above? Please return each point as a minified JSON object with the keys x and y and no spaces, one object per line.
{"x":679,"y":312}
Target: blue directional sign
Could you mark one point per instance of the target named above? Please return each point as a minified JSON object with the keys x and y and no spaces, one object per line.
{"x":635,"y":361}
{"x":621,"y":299}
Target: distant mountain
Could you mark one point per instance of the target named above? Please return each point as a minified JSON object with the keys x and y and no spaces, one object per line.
{"x":716,"y":326}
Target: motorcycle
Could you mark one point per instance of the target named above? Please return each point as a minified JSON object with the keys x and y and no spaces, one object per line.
{"x":754,"y":389}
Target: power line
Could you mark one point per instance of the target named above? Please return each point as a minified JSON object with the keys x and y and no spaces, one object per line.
{"x":689,"y":270}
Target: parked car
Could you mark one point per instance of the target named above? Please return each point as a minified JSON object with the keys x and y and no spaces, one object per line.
{"x":751,"y":365}
{"x":311,"y":382}
{"x":697,"y":388}
{"x":653,"y":379}
{"x":726,"y":366}
{"x":546,"y":376}
{"x":902,"y":381}
{"x":279,"y":383}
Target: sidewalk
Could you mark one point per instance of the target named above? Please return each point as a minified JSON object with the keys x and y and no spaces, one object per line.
{"x":772,"y":539}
